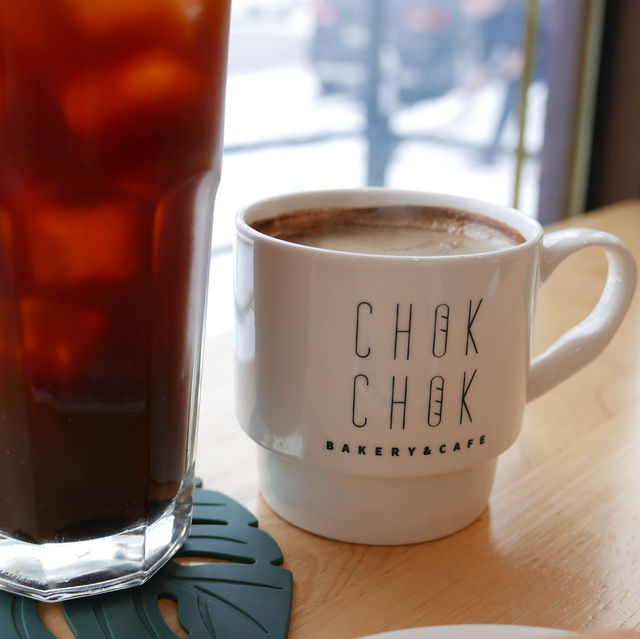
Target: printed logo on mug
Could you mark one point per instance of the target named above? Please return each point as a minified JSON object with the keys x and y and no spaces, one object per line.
{"x":383,"y":352}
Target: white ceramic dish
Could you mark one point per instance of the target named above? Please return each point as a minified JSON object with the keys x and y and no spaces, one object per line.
{"x":491,"y":631}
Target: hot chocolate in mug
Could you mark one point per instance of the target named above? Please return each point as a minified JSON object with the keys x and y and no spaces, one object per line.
{"x":382,"y":388}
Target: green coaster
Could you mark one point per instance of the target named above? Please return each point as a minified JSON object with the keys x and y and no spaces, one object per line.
{"x":246,"y":597}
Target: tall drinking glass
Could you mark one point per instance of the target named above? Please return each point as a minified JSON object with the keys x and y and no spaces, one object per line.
{"x":110,"y":145}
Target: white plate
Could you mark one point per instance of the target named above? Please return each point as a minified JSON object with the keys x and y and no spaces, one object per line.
{"x":491,"y":631}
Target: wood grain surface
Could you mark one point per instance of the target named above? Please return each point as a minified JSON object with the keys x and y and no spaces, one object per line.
{"x":559,"y":545}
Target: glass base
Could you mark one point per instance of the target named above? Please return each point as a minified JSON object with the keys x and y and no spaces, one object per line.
{"x":66,"y":570}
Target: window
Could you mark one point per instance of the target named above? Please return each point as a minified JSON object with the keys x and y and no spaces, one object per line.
{"x":443,"y":95}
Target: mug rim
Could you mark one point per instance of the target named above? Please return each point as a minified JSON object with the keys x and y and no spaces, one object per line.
{"x":286,"y":203}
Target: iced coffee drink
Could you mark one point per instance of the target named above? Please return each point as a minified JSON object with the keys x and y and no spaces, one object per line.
{"x":110,"y":141}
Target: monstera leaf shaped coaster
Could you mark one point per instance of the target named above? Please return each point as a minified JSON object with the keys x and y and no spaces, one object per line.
{"x":243,"y":595}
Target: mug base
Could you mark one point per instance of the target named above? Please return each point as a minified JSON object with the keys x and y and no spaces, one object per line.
{"x":374,"y":510}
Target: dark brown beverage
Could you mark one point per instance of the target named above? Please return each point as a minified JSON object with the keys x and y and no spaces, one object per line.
{"x":109,"y":162}
{"x":393,"y":230}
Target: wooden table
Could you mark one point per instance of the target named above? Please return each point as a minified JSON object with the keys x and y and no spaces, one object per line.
{"x":559,"y":545}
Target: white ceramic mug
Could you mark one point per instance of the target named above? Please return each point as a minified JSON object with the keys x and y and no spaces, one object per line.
{"x":381,"y":389}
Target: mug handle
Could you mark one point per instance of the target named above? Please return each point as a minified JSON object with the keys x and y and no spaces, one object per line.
{"x":580,"y":344}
